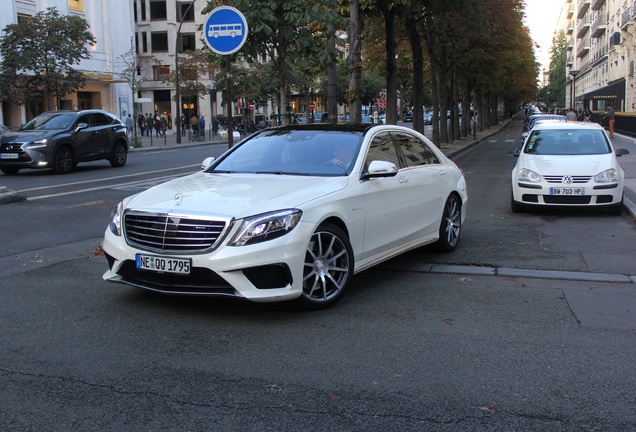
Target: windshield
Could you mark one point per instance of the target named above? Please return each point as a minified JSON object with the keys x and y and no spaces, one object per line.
{"x":567,"y":142}
{"x":295,"y":152}
{"x":50,"y":122}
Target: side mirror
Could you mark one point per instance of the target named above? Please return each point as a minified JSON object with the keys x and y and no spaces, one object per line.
{"x":207,"y":161}
{"x":514,"y":152}
{"x":621,"y":152}
{"x":81,"y":126}
{"x":380,"y":169}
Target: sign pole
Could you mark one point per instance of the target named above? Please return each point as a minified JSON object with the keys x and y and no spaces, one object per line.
{"x":225,"y":32}
{"x":230,"y":120}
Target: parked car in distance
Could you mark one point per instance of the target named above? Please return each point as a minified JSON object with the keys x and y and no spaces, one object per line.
{"x":541,"y":119}
{"x":428,"y":118}
{"x":4,"y":129}
{"x":408,"y":117}
{"x":59,"y":140}
{"x":289,"y":213}
{"x":567,"y":164}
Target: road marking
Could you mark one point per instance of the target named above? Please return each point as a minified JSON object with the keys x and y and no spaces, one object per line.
{"x":107,"y":179}
{"x":100,"y":188}
{"x":90,"y":203}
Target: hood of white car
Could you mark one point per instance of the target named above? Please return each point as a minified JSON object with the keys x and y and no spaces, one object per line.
{"x":579,"y":165}
{"x":233,"y":195}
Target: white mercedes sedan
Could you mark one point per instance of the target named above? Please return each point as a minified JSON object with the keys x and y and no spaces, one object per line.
{"x":567,"y":164}
{"x":290,"y":213}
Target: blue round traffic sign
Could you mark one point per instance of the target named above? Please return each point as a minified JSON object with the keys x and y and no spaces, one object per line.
{"x":225,"y":30}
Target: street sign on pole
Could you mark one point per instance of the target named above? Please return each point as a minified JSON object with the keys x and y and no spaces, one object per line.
{"x":312,"y":105}
{"x":225,"y":30}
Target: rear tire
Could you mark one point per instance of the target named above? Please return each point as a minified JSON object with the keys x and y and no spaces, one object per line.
{"x":451,"y":225}
{"x":64,"y":162}
{"x":119,"y":156}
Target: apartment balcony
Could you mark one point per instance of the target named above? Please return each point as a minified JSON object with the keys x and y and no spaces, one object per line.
{"x":627,"y":17}
{"x":570,"y":27}
{"x":568,"y":61}
{"x":599,"y":26}
{"x":583,"y":7}
{"x":570,"y":10}
{"x":570,"y":44}
{"x":597,"y":4}
{"x":584,"y":47}
{"x":583,"y":27}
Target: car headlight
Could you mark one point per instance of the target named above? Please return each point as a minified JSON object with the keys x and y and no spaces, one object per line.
{"x":38,"y":143}
{"x":607,"y":176}
{"x":266,"y":226}
{"x":529,"y":176}
{"x":115,"y":220}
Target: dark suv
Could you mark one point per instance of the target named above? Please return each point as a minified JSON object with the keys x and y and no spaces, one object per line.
{"x":61,"y":139}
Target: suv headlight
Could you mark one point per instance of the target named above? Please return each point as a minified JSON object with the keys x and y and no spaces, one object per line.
{"x":529,"y":176}
{"x":38,"y":143}
{"x":607,"y":176}
{"x":115,"y":220}
{"x":266,"y":226}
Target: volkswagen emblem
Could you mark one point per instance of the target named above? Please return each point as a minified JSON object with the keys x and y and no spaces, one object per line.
{"x":178,"y":197}
{"x":567,"y":179}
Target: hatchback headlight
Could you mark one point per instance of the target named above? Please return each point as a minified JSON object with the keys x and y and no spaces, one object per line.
{"x":529,"y":176}
{"x":115,"y":220}
{"x":607,"y":176}
{"x":266,"y":226}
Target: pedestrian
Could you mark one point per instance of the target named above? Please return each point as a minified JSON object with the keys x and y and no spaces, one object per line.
{"x":194,"y":124}
{"x":164,"y":125}
{"x":611,"y":118}
{"x":157,"y":125}
{"x":141,"y":122}
{"x":571,"y":115}
{"x":215,"y":127}
{"x":130,"y":124}
{"x":149,"y":124}
{"x":202,"y":126}
{"x":184,"y":125}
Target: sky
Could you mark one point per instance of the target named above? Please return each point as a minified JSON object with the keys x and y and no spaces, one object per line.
{"x":541,"y":19}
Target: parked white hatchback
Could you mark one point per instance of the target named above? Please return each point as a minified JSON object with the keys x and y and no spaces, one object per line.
{"x":567,"y":164}
{"x":289,"y":213}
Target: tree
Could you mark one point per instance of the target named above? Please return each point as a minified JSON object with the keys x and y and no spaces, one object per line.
{"x":38,"y":58}
{"x":554,"y":92}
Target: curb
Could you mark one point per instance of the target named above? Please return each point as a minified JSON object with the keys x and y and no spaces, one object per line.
{"x":8,"y":196}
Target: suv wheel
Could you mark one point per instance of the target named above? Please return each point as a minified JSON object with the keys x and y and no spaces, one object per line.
{"x":119,"y":155}
{"x":63,"y":161}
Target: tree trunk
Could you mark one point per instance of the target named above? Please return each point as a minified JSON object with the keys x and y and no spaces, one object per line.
{"x":354,"y":61}
{"x":418,"y":73}
{"x":389,"y":13}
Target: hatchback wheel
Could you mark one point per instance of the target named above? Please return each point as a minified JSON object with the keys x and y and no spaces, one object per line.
{"x":451,"y":225}
{"x":328,"y":268}
{"x":63,"y":161}
{"x":119,"y":155}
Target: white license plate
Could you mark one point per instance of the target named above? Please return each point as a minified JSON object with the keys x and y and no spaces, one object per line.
{"x":9,"y":156}
{"x":567,"y":191}
{"x":163,"y":264}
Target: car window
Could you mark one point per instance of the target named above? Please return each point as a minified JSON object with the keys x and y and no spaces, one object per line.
{"x":382,"y":148}
{"x":50,"y":122}
{"x":100,"y":119}
{"x":567,"y":142}
{"x":86,"y":118}
{"x":297,"y":152}
{"x":414,"y":150}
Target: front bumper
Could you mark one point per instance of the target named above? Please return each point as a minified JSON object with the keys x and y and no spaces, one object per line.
{"x":264,"y":272}
{"x":595,"y":194}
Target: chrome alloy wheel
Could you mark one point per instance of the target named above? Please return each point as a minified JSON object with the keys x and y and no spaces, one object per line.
{"x":451,"y":225}
{"x":328,"y":267}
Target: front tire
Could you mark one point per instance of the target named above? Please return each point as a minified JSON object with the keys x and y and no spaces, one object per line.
{"x":64,"y":162}
{"x":119,"y":156}
{"x":451,"y":225}
{"x":10,"y":171}
{"x":328,"y":268}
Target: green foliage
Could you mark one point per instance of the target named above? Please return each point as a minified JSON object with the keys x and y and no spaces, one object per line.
{"x":38,"y":57}
{"x":553,"y":94}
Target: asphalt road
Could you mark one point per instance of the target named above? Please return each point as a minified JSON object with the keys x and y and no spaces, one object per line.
{"x":468,"y":341}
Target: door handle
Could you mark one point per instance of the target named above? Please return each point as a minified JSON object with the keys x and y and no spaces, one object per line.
{"x":403,"y":180}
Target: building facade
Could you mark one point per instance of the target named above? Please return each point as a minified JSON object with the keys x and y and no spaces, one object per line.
{"x":112,"y":25}
{"x":601,"y":53}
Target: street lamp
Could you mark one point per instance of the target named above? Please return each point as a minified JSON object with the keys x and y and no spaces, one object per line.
{"x":177,"y":118}
{"x":574,"y":73}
